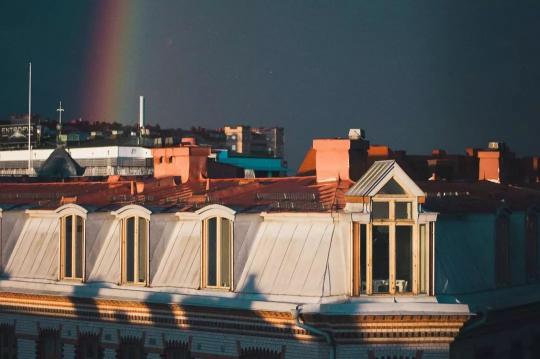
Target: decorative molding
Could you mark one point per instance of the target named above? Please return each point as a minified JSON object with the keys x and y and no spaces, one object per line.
{"x":216,"y":210}
{"x":132,"y":210}
{"x":359,"y":329}
{"x":71,"y":209}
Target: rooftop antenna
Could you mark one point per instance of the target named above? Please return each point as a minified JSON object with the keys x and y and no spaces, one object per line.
{"x":29,"y":118}
{"x":59,"y":126}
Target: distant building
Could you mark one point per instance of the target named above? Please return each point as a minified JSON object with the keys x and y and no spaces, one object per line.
{"x":97,"y":161}
{"x":238,"y":138}
{"x":274,"y":140}
{"x":14,"y":134}
{"x":265,"y":141}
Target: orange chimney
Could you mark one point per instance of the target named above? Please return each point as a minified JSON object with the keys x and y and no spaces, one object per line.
{"x":489,"y":166}
{"x":340,"y":158}
{"x":188,"y":162}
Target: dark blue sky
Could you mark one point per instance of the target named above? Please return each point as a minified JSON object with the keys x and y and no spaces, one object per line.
{"x":414,"y":75}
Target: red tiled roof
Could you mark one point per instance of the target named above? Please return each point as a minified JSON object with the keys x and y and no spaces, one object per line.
{"x":269,"y":194}
{"x":262,"y":194}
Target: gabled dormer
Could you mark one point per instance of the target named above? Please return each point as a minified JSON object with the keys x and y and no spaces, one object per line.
{"x":392,"y":238}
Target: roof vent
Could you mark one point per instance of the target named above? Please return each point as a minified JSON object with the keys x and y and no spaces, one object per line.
{"x":357,"y":134}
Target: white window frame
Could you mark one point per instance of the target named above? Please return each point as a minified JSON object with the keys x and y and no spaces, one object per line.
{"x":218,"y":253}
{"x":416,"y":219}
{"x":136,"y":241}
{"x":122,"y":215}
{"x":203,"y":214}
{"x":63,"y":253}
{"x":62,"y":213}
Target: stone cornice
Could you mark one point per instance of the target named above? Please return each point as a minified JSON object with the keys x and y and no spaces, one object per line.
{"x":357,"y":329}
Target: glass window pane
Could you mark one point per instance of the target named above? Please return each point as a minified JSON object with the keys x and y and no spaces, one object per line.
{"x":130,"y":247}
{"x":225,"y":247}
{"x":68,"y":246}
{"x":392,"y":187}
{"x":211,"y":255}
{"x":363,"y":258}
{"x":403,"y":259}
{"x":403,"y":210}
{"x":380,"y":265}
{"x":79,"y":237}
{"x":423,"y":259}
{"x":143,"y":231}
{"x":380,"y":210}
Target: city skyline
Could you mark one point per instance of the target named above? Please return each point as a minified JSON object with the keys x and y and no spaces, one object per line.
{"x":414,"y":77}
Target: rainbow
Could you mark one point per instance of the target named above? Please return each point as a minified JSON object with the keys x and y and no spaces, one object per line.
{"x":112,"y":63}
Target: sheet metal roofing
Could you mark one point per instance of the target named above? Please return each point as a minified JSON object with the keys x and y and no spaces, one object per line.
{"x":378,"y":175}
{"x":374,"y":176}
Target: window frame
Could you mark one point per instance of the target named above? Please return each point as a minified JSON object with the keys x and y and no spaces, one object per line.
{"x":136,"y":240}
{"x":205,"y":256}
{"x":62,"y":270}
{"x":392,"y":222}
{"x":70,"y":209}
{"x":122,"y":215}
{"x":362,"y":263}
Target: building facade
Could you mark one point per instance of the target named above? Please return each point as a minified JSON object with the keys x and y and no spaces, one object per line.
{"x":269,"y":268}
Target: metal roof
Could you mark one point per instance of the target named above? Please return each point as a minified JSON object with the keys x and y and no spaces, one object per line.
{"x":378,"y":175}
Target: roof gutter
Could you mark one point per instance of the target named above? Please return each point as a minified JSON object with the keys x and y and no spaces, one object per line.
{"x":310,"y":328}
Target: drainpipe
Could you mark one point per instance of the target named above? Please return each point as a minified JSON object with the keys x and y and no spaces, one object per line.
{"x":327,"y":336}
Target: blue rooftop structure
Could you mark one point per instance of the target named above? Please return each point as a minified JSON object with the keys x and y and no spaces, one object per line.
{"x":262,"y":166}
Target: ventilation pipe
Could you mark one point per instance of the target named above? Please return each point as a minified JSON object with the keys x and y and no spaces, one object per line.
{"x":327,"y":336}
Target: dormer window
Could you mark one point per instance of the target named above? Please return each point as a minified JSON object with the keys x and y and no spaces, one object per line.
{"x":391,"y":239}
{"x":72,"y":247}
{"x":217,"y":251}
{"x":135,"y":250}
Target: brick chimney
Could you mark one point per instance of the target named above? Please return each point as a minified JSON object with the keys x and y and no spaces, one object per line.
{"x":188,"y":162}
{"x":344,"y":158}
{"x":496,"y":164}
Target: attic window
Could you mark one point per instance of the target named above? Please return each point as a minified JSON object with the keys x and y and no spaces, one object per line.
{"x":72,"y":247}
{"x":135,"y":250}
{"x":392,"y":187}
{"x":217,"y":244}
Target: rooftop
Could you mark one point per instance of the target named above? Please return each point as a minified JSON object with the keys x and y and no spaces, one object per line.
{"x":285,"y":194}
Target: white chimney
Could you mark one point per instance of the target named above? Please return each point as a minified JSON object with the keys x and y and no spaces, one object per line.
{"x":141,"y":113}
{"x":357,"y":134}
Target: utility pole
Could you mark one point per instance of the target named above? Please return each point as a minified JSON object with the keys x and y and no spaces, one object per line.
{"x":29,"y":119}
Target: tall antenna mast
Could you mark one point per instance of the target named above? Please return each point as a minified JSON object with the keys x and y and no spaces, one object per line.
{"x":59,"y":125}
{"x":29,"y":119}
